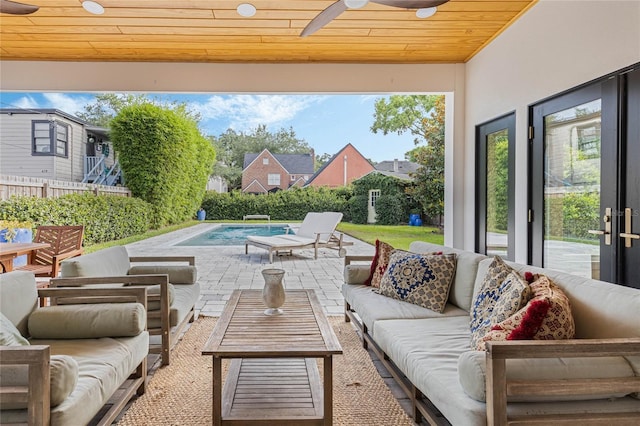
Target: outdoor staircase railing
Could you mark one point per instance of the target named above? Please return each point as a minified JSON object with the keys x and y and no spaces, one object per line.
{"x":99,"y":173}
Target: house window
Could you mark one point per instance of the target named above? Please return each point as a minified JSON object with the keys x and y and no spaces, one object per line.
{"x":273,"y":179}
{"x":293,"y":177}
{"x":589,"y":141}
{"x":265,"y":161}
{"x":50,"y":138}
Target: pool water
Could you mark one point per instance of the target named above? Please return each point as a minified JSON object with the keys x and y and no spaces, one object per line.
{"x":232,"y":235}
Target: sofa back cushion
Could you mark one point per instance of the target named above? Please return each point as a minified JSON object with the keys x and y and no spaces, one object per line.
{"x":18,"y":298}
{"x":461,"y":292}
{"x":110,"y":262}
{"x":600,"y":310}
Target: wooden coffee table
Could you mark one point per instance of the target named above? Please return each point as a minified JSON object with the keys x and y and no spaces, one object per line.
{"x":273,"y":377}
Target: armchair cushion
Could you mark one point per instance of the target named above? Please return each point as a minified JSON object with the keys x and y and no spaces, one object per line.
{"x":154,"y":290}
{"x":178,"y":274}
{"x":110,"y":262}
{"x":64,"y":377}
{"x":9,"y":334}
{"x":88,"y":321}
{"x":18,"y":297}
{"x":356,"y":274}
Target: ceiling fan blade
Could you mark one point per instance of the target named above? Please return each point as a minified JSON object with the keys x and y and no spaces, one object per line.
{"x":324,"y":17}
{"x":411,"y":4}
{"x":15,"y":8}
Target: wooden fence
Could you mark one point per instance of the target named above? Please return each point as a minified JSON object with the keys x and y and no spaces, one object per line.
{"x":45,"y":188}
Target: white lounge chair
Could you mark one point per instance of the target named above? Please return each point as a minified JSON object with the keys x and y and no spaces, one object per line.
{"x":318,"y":230}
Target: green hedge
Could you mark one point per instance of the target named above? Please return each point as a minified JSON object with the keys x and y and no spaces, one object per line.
{"x":165,"y":159}
{"x":292,"y":204}
{"x":570,"y":216}
{"x":391,"y":209}
{"x":105,"y":217}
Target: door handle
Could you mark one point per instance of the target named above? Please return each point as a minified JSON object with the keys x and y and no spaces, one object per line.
{"x":607,"y":227}
{"x":627,"y":235}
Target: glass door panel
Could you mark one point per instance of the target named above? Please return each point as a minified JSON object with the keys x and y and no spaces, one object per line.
{"x":495,"y":175}
{"x":572,"y":182}
{"x":497,"y":193}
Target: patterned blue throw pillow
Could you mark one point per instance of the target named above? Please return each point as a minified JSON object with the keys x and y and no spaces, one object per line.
{"x":488,"y":295}
{"x":421,"y":279}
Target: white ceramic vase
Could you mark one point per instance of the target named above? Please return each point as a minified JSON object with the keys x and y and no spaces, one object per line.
{"x":273,"y":295}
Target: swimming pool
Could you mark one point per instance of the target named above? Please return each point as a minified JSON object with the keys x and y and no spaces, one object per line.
{"x":232,"y":235}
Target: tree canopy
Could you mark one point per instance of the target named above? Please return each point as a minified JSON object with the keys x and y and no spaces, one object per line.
{"x":423,"y":117}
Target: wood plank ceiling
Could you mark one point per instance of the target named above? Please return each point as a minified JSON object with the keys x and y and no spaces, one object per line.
{"x":213,"y":31}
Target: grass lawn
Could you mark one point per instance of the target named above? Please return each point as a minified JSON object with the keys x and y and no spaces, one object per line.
{"x":399,"y":236}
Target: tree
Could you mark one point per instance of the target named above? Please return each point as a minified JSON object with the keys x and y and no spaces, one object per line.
{"x":108,"y":105}
{"x":402,"y":113}
{"x":423,"y":116}
{"x":232,"y":146}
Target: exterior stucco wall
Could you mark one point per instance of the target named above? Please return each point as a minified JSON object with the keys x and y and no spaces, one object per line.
{"x":555,"y":46}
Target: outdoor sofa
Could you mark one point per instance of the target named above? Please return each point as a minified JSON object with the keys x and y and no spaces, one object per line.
{"x":77,"y":357}
{"x":594,"y":376}
{"x":172,"y":294}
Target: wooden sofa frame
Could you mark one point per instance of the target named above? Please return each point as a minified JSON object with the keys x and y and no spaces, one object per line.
{"x":498,"y":388}
{"x":37,"y":394}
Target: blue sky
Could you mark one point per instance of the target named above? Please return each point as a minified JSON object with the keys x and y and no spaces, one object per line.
{"x":325,"y":122}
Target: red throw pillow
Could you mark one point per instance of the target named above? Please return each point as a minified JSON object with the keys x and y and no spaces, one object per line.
{"x":379,"y":264}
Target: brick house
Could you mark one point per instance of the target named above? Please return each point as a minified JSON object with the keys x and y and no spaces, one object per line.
{"x":265,"y":172}
{"x":342,"y":169}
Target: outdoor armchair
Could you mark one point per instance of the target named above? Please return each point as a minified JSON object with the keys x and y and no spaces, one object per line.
{"x":64,"y":242}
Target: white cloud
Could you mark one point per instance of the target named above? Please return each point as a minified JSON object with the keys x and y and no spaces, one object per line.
{"x":25,"y":102}
{"x":245,"y":112}
{"x":71,"y":104}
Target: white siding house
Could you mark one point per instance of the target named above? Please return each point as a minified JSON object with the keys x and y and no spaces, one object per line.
{"x":50,"y":144}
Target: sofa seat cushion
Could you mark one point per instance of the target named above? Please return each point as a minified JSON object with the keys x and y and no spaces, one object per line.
{"x":185,"y":299}
{"x":110,"y":262}
{"x":88,"y":321}
{"x":472,"y":368}
{"x":63,"y":376}
{"x":372,"y":307}
{"x":427,"y":352}
{"x":178,"y":274}
{"x":103,"y":365}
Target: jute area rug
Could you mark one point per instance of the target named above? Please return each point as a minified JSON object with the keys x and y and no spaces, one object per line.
{"x":180,"y":394}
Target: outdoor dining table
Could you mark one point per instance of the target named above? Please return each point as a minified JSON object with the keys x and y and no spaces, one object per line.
{"x":9,"y":251}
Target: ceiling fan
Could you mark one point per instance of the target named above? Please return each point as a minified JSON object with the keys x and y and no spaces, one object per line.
{"x":335,"y":9}
{"x":15,"y":8}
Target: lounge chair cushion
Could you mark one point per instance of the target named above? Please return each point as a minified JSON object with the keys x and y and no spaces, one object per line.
{"x":88,"y":321}
{"x":186,"y":297}
{"x":178,"y":274}
{"x":63,"y":379}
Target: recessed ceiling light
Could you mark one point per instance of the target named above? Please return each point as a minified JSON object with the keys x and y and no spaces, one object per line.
{"x":426,"y":12}
{"x":93,"y":7}
{"x":246,"y":9}
{"x":355,"y":4}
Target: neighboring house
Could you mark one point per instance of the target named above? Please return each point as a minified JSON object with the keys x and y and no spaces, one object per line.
{"x":342,"y":169}
{"x":267,"y":172}
{"x":51,"y":144}
{"x":399,"y":169}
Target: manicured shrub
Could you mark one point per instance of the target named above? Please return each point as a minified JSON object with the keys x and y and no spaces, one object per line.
{"x":105,"y":217}
{"x":358,"y":208}
{"x":292,"y":204}
{"x":165,"y":160}
{"x":391,"y":210}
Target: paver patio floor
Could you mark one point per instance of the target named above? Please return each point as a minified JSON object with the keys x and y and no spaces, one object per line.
{"x":222,"y":269}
